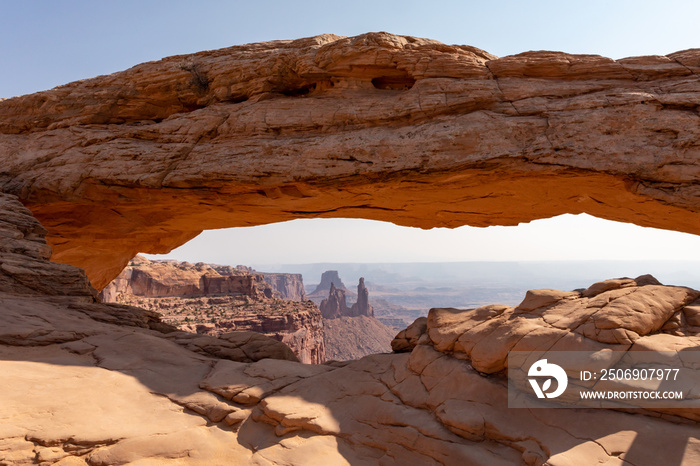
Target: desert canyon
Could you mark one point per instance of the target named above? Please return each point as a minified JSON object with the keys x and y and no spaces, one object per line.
{"x":377,"y":126}
{"x":210,"y":299}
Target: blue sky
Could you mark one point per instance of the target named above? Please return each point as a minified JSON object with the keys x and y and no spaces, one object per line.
{"x":47,"y":43}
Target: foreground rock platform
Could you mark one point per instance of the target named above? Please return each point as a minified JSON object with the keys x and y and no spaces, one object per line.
{"x":377,"y":126}
{"x":86,"y":383}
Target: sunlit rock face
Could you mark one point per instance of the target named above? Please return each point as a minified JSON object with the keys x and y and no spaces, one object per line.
{"x":210,"y":299}
{"x":376,"y":126}
{"x":159,"y":279}
{"x":105,"y":384}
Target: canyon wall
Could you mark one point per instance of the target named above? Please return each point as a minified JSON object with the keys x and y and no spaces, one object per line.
{"x":377,"y":126}
{"x":157,"y":279}
{"x":290,"y":286}
{"x":298,"y":326}
{"x":216,"y":300}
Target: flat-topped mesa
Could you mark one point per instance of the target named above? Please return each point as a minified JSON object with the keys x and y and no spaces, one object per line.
{"x":158,"y":279}
{"x":329,"y":279}
{"x":376,"y":126}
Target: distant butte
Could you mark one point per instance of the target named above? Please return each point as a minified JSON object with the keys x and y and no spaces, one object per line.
{"x":377,"y":126}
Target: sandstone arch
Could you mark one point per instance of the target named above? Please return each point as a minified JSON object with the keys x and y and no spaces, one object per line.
{"x":376,"y":126}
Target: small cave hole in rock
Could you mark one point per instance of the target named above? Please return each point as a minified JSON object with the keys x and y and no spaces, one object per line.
{"x":393,"y":83}
{"x":300,"y":91}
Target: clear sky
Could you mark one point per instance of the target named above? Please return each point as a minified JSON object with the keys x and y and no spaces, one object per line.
{"x":47,"y":43}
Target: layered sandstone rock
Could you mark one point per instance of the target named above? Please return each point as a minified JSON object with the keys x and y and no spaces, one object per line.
{"x":609,"y":318}
{"x":31,"y":287}
{"x":290,"y":286}
{"x":24,"y":255}
{"x":158,"y":279}
{"x":617,"y":314}
{"x":296,"y":324}
{"x":376,"y":126}
{"x":216,"y":300}
{"x":151,"y":279}
{"x":98,"y":384}
{"x":335,"y":305}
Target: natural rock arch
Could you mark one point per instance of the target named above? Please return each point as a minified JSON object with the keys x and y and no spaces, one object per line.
{"x":376,"y":126}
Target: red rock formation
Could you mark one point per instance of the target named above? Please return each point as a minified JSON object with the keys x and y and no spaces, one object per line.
{"x":24,"y":255}
{"x":334,"y":306}
{"x":377,"y":126}
{"x":155,"y":279}
{"x":290,"y":286}
{"x":362,"y":306}
{"x":299,"y":327}
{"x":31,"y":287}
{"x":215,"y":300}
{"x":617,"y":315}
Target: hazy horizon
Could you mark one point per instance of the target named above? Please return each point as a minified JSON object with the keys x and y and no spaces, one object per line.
{"x":567,"y":237}
{"x":515,"y":275}
{"x":420,"y":286}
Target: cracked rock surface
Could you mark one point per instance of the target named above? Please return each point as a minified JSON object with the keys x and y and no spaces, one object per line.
{"x":86,"y":383}
{"x":377,"y":126}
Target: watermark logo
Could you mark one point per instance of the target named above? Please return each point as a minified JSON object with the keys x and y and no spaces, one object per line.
{"x":544,"y":369}
{"x":604,"y":379}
